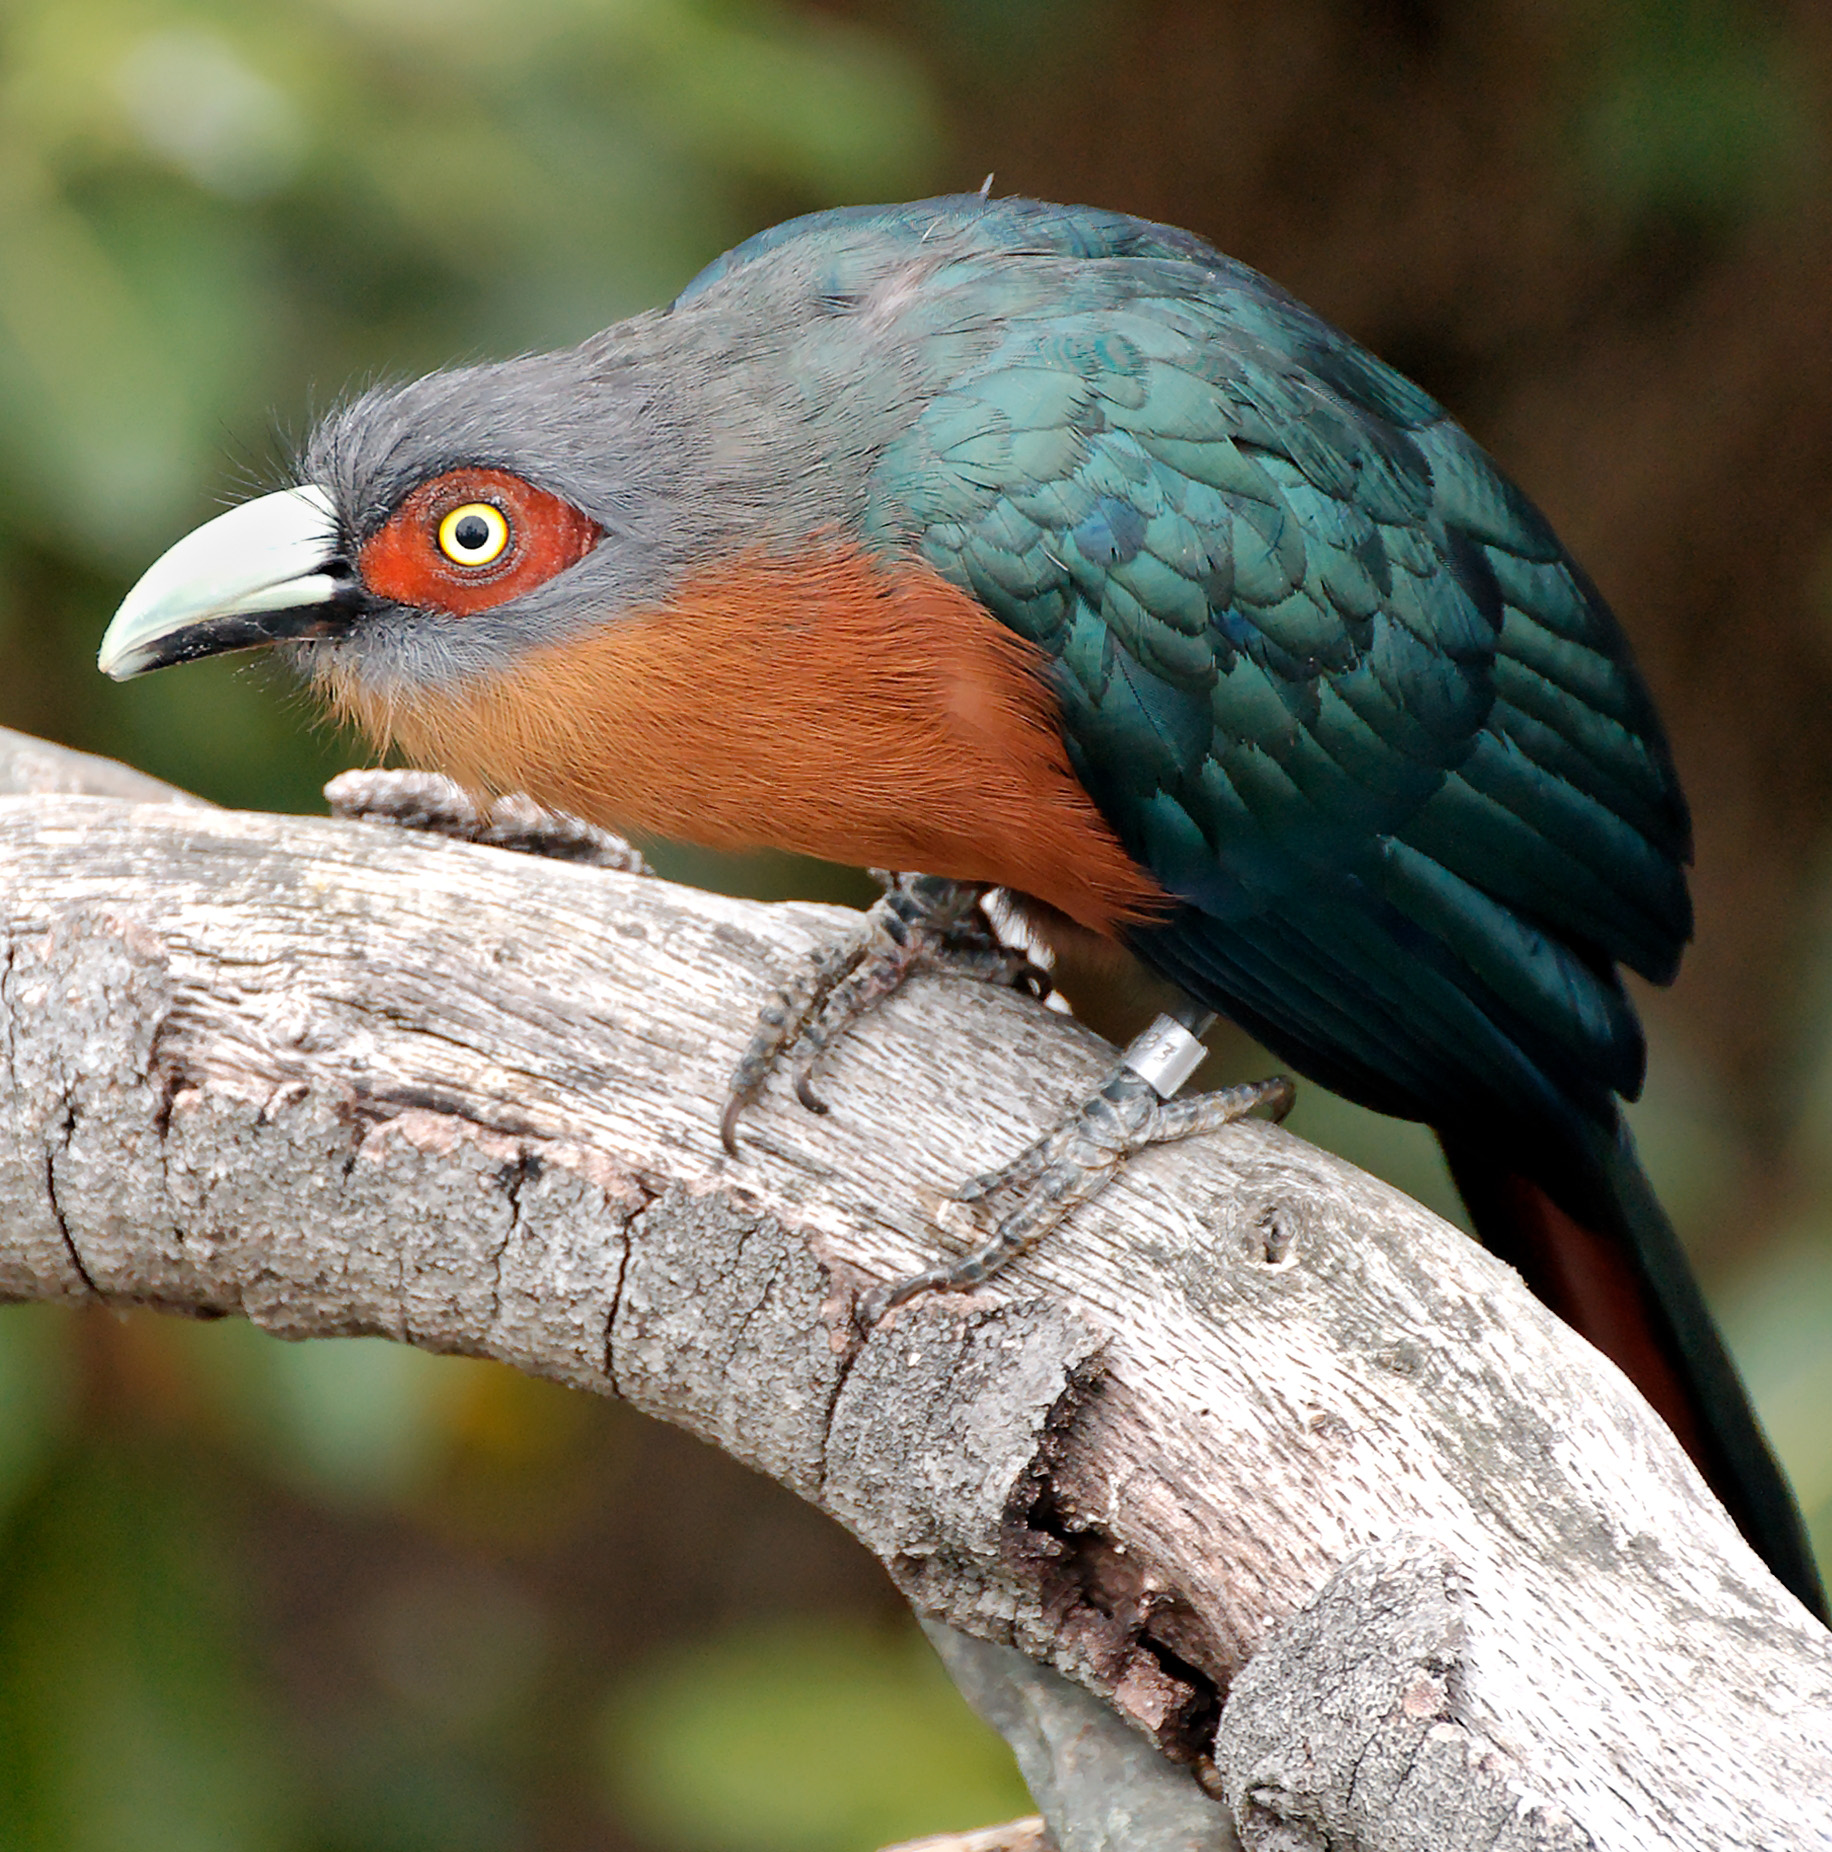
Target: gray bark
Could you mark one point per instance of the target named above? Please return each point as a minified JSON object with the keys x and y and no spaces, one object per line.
{"x":1290,"y":1475}
{"x":1026,"y":1835}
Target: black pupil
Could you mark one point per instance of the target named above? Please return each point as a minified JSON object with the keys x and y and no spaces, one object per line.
{"x":472,"y":534}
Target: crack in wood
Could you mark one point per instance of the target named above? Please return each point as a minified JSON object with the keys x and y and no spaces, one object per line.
{"x":57,"y":1208}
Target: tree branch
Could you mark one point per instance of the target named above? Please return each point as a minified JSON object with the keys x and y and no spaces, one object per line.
{"x":1289,"y":1473}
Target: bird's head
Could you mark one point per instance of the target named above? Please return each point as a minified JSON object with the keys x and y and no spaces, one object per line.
{"x":436,"y":531}
{"x":660,"y":581}
{"x":439,"y":531}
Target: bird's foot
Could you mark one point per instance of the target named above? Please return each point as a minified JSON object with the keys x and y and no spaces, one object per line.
{"x":426,"y":801}
{"x":1077,"y":1160}
{"x":923,"y":923}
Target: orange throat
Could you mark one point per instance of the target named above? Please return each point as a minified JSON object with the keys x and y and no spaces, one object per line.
{"x":827,"y":705}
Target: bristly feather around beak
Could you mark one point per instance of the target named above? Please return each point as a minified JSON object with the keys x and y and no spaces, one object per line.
{"x":265,"y":572}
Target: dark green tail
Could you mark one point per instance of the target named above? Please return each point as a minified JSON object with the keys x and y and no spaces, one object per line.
{"x":1593,"y":1242}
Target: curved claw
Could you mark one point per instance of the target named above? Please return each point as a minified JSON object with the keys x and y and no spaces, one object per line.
{"x":728,"y":1123}
{"x":1035,"y":982}
{"x":870,"y":1307}
{"x":917,"y":926}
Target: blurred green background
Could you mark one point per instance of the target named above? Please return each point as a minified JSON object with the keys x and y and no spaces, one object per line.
{"x":347,"y":1598}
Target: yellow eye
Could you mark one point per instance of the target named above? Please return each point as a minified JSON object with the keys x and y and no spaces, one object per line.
{"x":476,"y":534}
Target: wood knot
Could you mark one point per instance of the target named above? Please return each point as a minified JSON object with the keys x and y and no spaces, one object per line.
{"x":1274,"y":1236}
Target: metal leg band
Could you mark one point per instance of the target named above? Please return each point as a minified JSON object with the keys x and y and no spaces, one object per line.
{"x":1165,"y":1056}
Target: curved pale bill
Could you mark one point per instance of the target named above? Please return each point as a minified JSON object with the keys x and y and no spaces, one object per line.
{"x":258,"y":574}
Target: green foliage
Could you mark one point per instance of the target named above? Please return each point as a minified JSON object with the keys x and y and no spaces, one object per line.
{"x":35,"y":1373}
{"x":357,"y":1421}
{"x":1699,"y":116}
{"x":799,"y":1739}
{"x":128,"y":1718}
{"x":1777,"y":1316}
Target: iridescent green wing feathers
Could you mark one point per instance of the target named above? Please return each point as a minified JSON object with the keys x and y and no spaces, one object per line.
{"x":1329,"y":675}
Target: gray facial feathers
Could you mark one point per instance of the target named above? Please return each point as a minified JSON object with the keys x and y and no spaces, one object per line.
{"x":746,"y":417}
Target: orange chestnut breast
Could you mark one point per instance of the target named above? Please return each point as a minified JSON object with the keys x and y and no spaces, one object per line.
{"x":830,"y":703}
{"x":473,"y":538}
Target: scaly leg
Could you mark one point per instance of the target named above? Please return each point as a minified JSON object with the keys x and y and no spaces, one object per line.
{"x":924,"y":922}
{"x":1132,"y":1108}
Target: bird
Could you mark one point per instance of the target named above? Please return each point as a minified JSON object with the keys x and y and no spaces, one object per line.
{"x":1046,"y":550}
